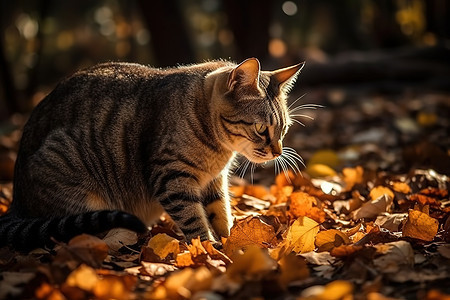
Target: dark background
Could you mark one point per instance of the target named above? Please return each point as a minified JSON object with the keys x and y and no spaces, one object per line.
{"x":372,"y":62}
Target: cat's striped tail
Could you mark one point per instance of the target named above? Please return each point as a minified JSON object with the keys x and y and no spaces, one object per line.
{"x":27,"y":234}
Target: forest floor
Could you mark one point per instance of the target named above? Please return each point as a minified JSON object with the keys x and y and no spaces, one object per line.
{"x":367,"y":218}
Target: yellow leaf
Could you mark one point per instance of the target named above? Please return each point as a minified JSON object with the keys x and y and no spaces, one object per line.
{"x":420,"y":226}
{"x":301,"y":235}
{"x":328,"y":239}
{"x":325,"y":157}
{"x":163,"y":245}
{"x":320,"y":170}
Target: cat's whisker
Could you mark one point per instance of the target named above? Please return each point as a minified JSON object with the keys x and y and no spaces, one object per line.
{"x":292,"y":104}
{"x":252,"y":171}
{"x":291,"y":162}
{"x":244,"y":168}
{"x":284,"y":167}
{"x":302,"y":116}
{"x":305,"y":106}
{"x":298,"y":122}
{"x":294,"y":155}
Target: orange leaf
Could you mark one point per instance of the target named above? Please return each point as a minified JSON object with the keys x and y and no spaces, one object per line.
{"x":344,"y":250}
{"x":379,"y":191}
{"x":249,"y":231}
{"x":352,"y":176}
{"x":424,"y":200}
{"x":303,"y":204}
{"x":421,"y":226}
{"x":401,"y":187}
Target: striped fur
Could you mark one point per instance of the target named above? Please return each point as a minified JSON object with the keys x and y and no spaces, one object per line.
{"x":122,"y":140}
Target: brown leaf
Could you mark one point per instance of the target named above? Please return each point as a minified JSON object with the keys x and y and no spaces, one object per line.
{"x":247,"y":232}
{"x":420,"y":226}
{"x":292,"y":268}
{"x":84,"y":248}
{"x":379,"y":191}
{"x":373,"y":208}
{"x":424,"y":200}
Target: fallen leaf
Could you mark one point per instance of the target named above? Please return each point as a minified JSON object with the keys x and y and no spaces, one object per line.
{"x":345,"y":250}
{"x":424,"y":200}
{"x":301,"y":235}
{"x":163,"y":245}
{"x":373,"y":208}
{"x":84,"y":248}
{"x":302,"y":204}
{"x":119,"y":237}
{"x":352,"y":176}
{"x":401,"y":187}
{"x":252,"y":264}
{"x":83,"y":277}
{"x":379,"y":191}
{"x":390,"y":222}
{"x":328,"y":239}
{"x":420,"y":226}
{"x":292,"y":268}
{"x":247,"y":232}
{"x":326,"y":157}
{"x":320,"y":170}
{"x":336,"y":290}
{"x":393,"y":256}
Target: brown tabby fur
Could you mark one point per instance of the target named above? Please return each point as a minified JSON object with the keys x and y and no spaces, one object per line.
{"x":122,"y":139}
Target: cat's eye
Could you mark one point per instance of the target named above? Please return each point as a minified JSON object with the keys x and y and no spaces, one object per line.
{"x":260,"y":128}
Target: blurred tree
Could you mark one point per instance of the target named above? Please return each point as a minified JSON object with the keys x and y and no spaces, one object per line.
{"x":250,"y":21}
{"x":170,"y":40}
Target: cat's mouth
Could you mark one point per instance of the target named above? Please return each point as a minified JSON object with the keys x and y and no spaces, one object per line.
{"x":260,"y":156}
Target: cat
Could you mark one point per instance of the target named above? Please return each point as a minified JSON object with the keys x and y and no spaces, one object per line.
{"x":117,"y":144}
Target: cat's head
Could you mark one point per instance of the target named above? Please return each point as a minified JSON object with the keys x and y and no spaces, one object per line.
{"x":254,"y":116}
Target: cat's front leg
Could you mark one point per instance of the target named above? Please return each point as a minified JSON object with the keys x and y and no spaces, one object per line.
{"x":188,"y":212}
{"x":218,"y":208}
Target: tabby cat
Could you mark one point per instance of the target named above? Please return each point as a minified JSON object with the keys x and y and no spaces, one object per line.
{"x":117,"y":144}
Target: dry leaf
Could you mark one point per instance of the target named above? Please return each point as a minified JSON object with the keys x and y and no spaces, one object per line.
{"x":301,"y":235}
{"x":394,"y":255}
{"x":352,"y":176}
{"x":401,"y":187}
{"x":390,"y":222}
{"x":252,"y":264}
{"x":420,"y":226}
{"x":84,"y":277}
{"x":163,"y":245}
{"x":85,"y":248}
{"x":118,"y":237}
{"x":292,"y":268}
{"x":379,"y":191}
{"x":328,"y":239}
{"x":345,"y":250}
{"x":373,"y":208}
{"x":320,"y":170}
{"x":247,"y":232}
{"x":337,"y":290}
{"x":424,"y":200}
{"x":302,"y":204}
{"x":326,"y":157}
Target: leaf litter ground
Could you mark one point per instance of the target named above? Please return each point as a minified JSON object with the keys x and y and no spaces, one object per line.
{"x":367,"y":219}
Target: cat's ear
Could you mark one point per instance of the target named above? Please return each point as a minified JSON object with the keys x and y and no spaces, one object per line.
{"x":246,"y":74}
{"x":285,"y":78}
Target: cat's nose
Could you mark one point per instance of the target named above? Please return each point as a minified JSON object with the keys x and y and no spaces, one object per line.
{"x":277,"y":149}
